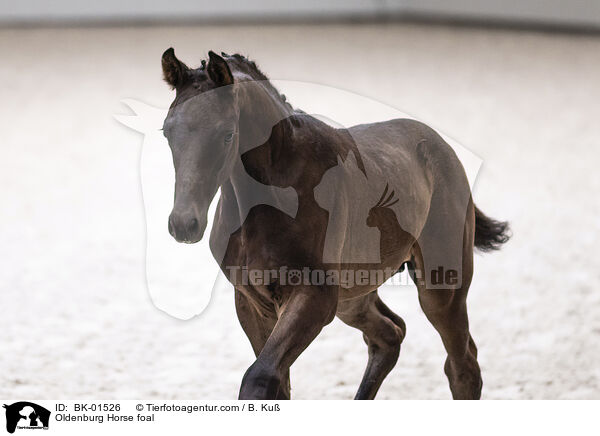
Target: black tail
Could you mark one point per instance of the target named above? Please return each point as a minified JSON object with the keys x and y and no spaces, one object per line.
{"x":489,"y":233}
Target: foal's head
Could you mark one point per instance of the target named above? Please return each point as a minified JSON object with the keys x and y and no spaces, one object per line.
{"x":201,"y":127}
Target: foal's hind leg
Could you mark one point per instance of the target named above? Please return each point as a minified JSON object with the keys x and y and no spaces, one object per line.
{"x":383,"y":331}
{"x":446,"y":309}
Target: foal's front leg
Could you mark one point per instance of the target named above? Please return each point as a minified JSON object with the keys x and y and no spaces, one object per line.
{"x":306,"y":310}
{"x":258,"y":323}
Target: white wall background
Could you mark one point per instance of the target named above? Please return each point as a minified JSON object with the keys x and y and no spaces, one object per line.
{"x":585,"y":13}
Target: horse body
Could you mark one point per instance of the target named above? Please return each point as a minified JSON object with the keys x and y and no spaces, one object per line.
{"x":391,"y":150}
{"x":297,"y":194}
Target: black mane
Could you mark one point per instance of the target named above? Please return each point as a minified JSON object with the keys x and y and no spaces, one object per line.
{"x":245,"y":65}
{"x":237,"y":63}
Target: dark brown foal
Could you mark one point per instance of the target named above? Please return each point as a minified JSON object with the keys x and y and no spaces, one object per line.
{"x":299,"y":195}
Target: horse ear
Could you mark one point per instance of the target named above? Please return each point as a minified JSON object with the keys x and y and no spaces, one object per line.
{"x":174,"y":71}
{"x":218,"y":70}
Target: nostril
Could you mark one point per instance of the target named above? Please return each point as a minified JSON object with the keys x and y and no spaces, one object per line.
{"x":193,"y":225}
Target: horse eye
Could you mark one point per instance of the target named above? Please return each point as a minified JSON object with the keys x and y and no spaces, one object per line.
{"x":229,"y":137}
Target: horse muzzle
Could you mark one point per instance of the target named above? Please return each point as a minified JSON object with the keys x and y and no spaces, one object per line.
{"x":186,"y":227}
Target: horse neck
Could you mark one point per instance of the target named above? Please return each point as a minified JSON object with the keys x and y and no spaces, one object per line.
{"x":260,"y":110}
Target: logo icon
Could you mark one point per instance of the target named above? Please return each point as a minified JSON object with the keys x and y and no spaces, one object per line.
{"x":26,"y":415}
